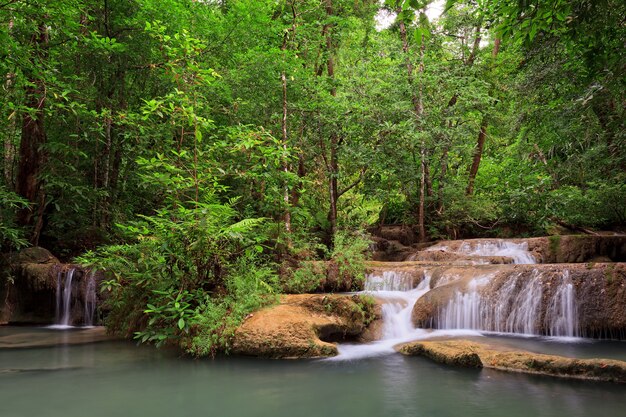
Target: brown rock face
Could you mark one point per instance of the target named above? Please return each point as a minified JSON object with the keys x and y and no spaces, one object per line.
{"x":579,"y":248}
{"x":27,"y":289}
{"x":304,"y":326}
{"x":472,"y":354}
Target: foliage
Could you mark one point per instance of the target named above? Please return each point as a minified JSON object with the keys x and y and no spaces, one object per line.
{"x":228,"y":136}
{"x":349,"y":252}
{"x":11,"y":236}
{"x":186,"y":273}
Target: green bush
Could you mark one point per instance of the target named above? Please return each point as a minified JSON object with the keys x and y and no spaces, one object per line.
{"x":11,"y":236}
{"x":187,"y":277}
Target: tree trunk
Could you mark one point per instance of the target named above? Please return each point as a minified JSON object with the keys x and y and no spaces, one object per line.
{"x":31,"y":153}
{"x":333,"y":162}
{"x":482,"y":135}
{"x":472,"y":57}
{"x":478,"y":153}
{"x":418,"y":108}
{"x":442,"y":176}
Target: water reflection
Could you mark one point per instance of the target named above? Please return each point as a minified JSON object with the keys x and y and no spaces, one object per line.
{"x":120,"y":379}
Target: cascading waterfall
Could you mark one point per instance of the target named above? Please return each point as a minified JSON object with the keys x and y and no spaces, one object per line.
{"x":515,"y":307}
{"x":497,"y":247}
{"x":389,"y":281}
{"x":398,"y":296}
{"x":66,"y":311}
{"x":66,"y":300}
{"x":59,"y":298}
{"x":563,"y":310}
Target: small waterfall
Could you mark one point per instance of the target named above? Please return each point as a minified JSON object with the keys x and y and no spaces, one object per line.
{"x":562,"y":314}
{"x":66,"y":311}
{"x":515,"y":307}
{"x":68,"y":299}
{"x":89,"y":301}
{"x":398,"y":297}
{"x":397,"y":310}
{"x":59,"y":298}
{"x":389,"y":281}
{"x":496,"y":247}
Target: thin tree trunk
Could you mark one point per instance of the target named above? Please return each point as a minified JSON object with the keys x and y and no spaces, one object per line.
{"x":31,"y":153}
{"x":287,"y":214}
{"x":477,"y":39}
{"x":442,"y":176}
{"x":482,"y":136}
{"x":478,"y":153}
{"x":418,"y":107}
{"x":333,"y":163}
{"x":283,"y":125}
{"x":9,"y":145}
{"x":429,"y":181}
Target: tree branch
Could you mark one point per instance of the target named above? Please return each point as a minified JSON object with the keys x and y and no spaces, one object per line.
{"x":354,"y":184}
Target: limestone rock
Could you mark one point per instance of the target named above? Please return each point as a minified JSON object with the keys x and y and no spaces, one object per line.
{"x":472,"y":354}
{"x":303,"y":326}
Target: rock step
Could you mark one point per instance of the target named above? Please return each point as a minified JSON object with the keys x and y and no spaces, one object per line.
{"x":470,"y":354}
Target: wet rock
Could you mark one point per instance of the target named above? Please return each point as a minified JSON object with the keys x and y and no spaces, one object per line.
{"x":456,"y":354}
{"x":401,"y":233}
{"x":27,"y":286}
{"x":578,"y":248}
{"x":304,"y":326}
{"x":34,"y":255}
{"x":465,"y":353}
{"x":389,"y":250}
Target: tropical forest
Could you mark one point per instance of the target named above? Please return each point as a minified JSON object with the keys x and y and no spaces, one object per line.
{"x":420,"y":203}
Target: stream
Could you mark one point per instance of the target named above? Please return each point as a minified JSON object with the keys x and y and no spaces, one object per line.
{"x":116,"y":378}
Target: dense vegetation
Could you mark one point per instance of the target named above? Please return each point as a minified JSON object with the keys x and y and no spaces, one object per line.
{"x":201,"y":144}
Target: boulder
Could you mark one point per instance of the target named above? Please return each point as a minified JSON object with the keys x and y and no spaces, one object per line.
{"x":304,"y":326}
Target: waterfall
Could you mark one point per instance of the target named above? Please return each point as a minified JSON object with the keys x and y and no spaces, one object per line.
{"x":66,"y":311}
{"x":389,"y":281}
{"x":397,"y":294}
{"x":89,"y":301}
{"x":496,"y":247}
{"x":66,"y":300}
{"x":59,"y":297}
{"x":515,"y":307}
{"x":562,"y":314}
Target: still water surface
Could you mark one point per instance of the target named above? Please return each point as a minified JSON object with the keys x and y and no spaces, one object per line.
{"x":111,"y":379}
